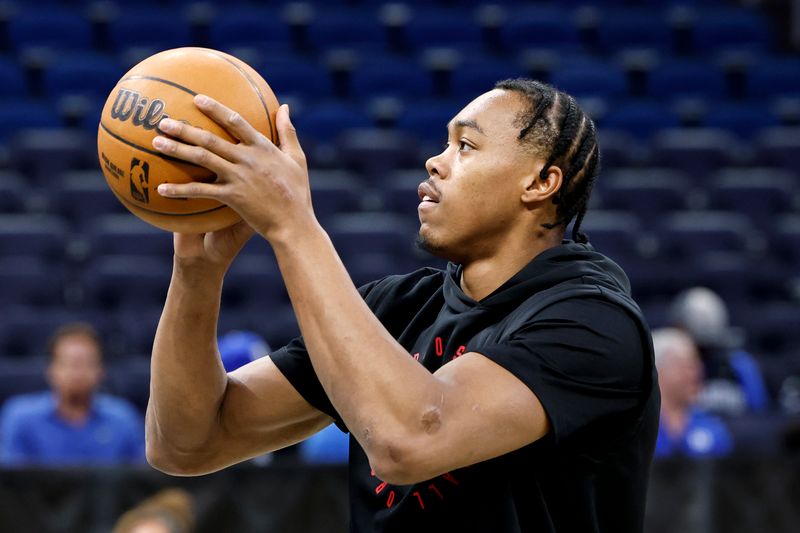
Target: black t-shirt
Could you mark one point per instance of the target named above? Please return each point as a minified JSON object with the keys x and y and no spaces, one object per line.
{"x":566,"y":327}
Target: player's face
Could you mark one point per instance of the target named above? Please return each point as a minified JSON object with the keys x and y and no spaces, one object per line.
{"x":473,"y":194}
{"x":76,"y":369}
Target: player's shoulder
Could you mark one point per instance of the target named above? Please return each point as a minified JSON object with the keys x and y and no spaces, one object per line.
{"x":423,"y":280}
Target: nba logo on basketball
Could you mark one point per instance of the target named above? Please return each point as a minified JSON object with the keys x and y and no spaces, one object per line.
{"x":140,"y":174}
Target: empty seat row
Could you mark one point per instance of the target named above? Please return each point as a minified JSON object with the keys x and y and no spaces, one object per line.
{"x":699,"y":29}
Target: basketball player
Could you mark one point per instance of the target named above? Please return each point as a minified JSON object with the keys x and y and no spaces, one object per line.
{"x":513,"y":392}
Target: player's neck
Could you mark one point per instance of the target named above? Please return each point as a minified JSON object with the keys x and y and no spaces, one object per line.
{"x":484,"y":275}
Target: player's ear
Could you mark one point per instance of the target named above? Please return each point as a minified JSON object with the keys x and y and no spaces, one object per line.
{"x":538,"y":187}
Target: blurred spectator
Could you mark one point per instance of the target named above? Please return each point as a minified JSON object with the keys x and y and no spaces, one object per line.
{"x":72,"y":423}
{"x":329,"y":446}
{"x":237,"y":348}
{"x":168,"y":511}
{"x":685,"y":428}
{"x":734,"y":381}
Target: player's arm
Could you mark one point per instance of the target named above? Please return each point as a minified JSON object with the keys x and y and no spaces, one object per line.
{"x":412,"y":424}
{"x":200,"y":419}
{"x":392,"y":405}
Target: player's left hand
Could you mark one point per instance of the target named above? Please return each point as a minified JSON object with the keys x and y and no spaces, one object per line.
{"x":267,"y":185}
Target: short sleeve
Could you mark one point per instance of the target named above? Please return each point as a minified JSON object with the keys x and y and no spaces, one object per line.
{"x":583,"y":358}
{"x":295,"y":364}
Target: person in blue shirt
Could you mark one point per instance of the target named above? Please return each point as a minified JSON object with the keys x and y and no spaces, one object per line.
{"x":71,"y":424}
{"x":685,"y":428}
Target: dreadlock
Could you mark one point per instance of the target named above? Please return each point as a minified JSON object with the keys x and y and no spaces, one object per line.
{"x":554,"y":124}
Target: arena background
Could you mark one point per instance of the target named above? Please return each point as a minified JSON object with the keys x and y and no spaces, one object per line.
{"x":698,"y":107}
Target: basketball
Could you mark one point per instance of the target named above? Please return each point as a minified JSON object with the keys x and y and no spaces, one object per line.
{"x":164,"y":85}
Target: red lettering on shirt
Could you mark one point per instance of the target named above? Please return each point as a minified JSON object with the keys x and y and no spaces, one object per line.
{"x":449,"y":477}
{"x":416,"y":356}
{"x":460,"y":351}
{"x":439,"y":346}
{"x":390,"y":499}
{"x":433,"y":488}
{"x":380,"y":488}
{"x":417,"y":495}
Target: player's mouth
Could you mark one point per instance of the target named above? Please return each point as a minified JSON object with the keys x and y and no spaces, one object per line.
{"x":428,"y":194}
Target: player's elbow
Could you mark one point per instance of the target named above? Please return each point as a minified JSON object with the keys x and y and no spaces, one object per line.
{"x":403,"y":459}
{"x":165,"y":458}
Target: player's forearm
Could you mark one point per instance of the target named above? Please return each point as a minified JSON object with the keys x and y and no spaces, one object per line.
{"x":188,"y":380}
{"x":381,"y":392}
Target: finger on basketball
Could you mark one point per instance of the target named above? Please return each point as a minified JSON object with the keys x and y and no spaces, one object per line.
{"x":198,"y":137}
{"x":193,"y":154}
{"x":190,"y":190}
{"x":229,"y":119}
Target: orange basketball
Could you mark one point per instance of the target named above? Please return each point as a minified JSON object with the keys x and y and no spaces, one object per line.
{"x":164,"y":85}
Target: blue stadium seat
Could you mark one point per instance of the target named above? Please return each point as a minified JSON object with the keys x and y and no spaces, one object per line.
{"x":82,"y":196}
{"x":297,"y":78}
{"x":773,"y":327}
{"x":398,"y":78}
{"x":42,"y":154}
{"x":124,"y":234}
{"x":631,"y":28}
{"x":377,"y":233}
{"x":640,"y":119}
{"x":44,"y":236}
{"x":650,"y":193}
{"x":616,"y":234}
{"x":251,"y":26}
{"x":695,"y":151}
{"x":334,"y":192}
{"x":760,"y":193}
{"x":590,"y":78}
{"x":12,"y":79}
{"x":373,"y":153}
{"x":673,"y":79}
{"x":428,"y":121}
{"x":132,"y":329}
{"x":718,"y":30}
{"x":150,"y":29}
{"x":129,"y":378}
{"x":436,"y":28}
{"x":347,"y":28}
{"x":779,"y":147}
{"x":472,"y":78}
{"x":774,"y":77}
{"x":539,"y":27}
{"x":126,"y":281}
{"x":30,"y":280}
{"x":25,"y":331}
{"x":17,"y":115}
{"x":13,"y":192}
{"x":54,"y":28}
{"x":745,"y":120}
{"x":785,"y":241}
{"x":21,"y":375}
{"x":324,"y":122}
{"x":687,"y":236}
{"x":82,"y":74}
{"x":253,"y":282}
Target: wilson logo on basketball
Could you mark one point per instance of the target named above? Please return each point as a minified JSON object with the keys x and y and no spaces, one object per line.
{"x":141,"y":110}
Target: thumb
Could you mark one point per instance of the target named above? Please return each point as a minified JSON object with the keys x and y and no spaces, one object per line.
{"x":287,"y":135}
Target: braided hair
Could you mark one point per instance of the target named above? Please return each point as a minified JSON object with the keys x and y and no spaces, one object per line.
{"x":554,"y":124}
